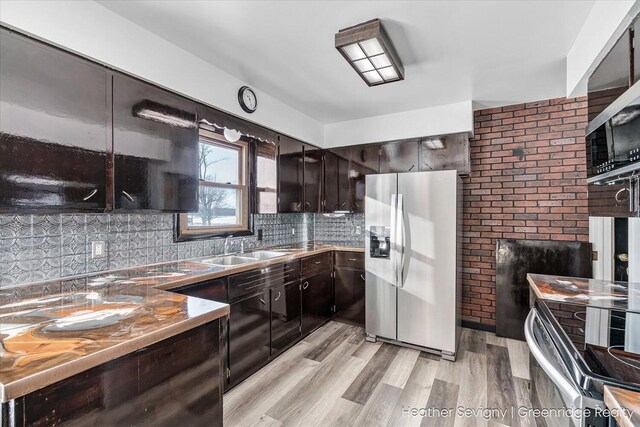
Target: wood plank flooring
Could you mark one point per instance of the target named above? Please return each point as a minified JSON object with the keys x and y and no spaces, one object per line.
{"x":335,"y":378}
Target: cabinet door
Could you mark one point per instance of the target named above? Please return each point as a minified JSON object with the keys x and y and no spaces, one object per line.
{"x":349,"y":295}
{"x":54,"y":126}
{"x":290,"y":176}
{"x":285,"y":316}
{"x":396,"y":157}
{"x":248,"y":336}
{"x":155,"y":142}
{"x":312,"y":178}
{"x":316,"y":300}
{"x":453,"y":155}
{"x":266,"y":178}
{"x":611,"y":78}
{"x":365,"y":160}
{"x":636,"y":51}
{"x":337,"y":186}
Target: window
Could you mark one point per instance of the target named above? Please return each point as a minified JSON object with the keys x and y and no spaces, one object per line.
{"x":224,"y":193}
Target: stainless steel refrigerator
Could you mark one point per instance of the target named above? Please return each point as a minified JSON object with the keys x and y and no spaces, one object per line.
{"x":413,"y":259}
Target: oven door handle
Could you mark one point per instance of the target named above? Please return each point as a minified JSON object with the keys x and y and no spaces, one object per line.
{"x":566,"y":388}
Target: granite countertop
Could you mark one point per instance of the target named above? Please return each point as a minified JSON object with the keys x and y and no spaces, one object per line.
{"x":604,"y":294}
{"x":53,"y":330}
{"x":625,"y":405}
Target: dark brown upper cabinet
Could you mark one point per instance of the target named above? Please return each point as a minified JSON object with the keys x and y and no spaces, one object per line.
{"x":312,"y":178}
{"x":453,"y":155}
{"x":336,"y":180}
{"x":636,"y":50}
{"x":54,"y":129}
{"x":155,"y":142}
{"x":401,"y":156}
{"x":365,"y":160}
{"x":290,"y":175}
{"x":612,"y":76}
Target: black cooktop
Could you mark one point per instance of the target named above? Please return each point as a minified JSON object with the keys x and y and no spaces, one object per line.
{"x":606,"y":341}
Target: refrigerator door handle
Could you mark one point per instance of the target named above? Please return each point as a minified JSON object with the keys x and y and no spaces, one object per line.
{"x":392,"y":239}
{"x":401,"y":241}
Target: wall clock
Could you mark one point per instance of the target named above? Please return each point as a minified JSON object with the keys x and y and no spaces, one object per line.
{"x":247,"y":99}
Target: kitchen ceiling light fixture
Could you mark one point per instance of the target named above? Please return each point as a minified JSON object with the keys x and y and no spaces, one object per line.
{"x":368,"y":49}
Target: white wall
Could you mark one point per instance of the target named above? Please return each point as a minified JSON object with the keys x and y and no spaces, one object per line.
{"x":443,"y":119}
{"x":603,"y":27}
{"x":95,"y":32}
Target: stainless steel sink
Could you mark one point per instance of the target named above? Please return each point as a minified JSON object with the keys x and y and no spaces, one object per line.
{"x":245,"y":258}
{"x":229,"y":260}
{"x":262,"y":255}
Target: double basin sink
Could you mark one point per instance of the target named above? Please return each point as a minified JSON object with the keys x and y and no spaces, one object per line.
{"x":243,"y":258}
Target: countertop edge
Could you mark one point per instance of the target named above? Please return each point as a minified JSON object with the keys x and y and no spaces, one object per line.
{"x":66,"y":370}
{"x":292,"y":256}
{"x":623,"y":414}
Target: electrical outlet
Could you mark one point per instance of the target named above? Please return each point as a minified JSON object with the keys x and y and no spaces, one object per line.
{"x":293,"y":231}
{"x":98,"y":249}
{"x":358,"y":229}
{"x":259,"y":233}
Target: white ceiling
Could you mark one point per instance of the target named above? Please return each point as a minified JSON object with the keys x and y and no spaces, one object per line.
{"x":491,"y":52}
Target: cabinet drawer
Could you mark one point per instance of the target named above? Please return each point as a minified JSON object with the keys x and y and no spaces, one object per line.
{"x":315,"y":264}
{"x":350,"y":259}
{"x":251,"y":281}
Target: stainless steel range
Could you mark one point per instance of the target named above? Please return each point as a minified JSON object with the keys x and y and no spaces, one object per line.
{"x":577,"y":348}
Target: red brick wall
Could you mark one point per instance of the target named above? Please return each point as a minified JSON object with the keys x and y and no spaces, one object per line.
{"x":527,"y":182}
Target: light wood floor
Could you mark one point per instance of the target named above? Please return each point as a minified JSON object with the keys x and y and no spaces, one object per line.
{"x":335,"y":378}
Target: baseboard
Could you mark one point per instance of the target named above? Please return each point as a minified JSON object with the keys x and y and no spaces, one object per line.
{"x":478,"y":326}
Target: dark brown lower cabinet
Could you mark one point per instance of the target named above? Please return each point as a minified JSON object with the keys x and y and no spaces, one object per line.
{"x":173,"y":382}
{"x":316,"y":300}
{"x":285,"y":317}
{"x":249,"y":341}
{"x":349,"y":295}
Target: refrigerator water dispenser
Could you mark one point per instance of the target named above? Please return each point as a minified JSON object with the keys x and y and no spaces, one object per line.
{"x":380,"y":243}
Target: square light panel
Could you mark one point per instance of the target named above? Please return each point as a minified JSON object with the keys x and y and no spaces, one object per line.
{"x":369,"y":50}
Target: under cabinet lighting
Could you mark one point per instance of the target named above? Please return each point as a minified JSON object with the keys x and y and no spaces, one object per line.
{"x":151,"y":110}
{"x":369,"y":50}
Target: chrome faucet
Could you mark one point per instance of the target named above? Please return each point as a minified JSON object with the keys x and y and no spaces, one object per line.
{"x":242,"y":245}
{"x":226,"y":244}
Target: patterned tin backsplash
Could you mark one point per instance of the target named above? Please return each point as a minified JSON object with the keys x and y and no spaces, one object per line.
{"x":345,"y":229}
{"x":43,"y":247}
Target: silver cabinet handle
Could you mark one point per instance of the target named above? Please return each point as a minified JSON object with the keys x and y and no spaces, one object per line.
{"x":277,"y":297}
{"x":90,"y":195}
{"x":307,"y":203}
{"x":305,"y":285}
{"x":619,"y":199}
{"x":353,"y":259}
{"x":263,"y":301}
{"x":127,"y":195}
{"x":362,"y":276}
{"x":318,"y":262}
{"x":342,"y":205}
